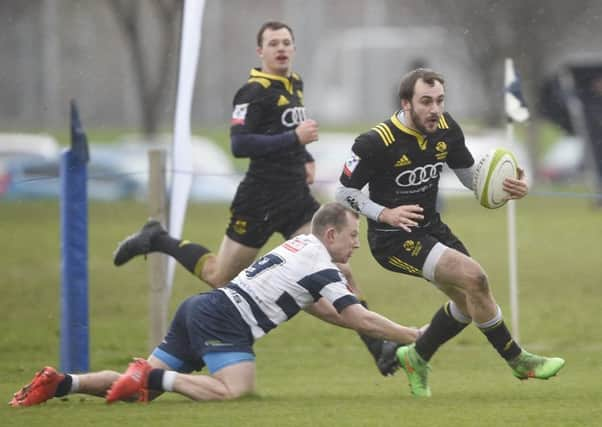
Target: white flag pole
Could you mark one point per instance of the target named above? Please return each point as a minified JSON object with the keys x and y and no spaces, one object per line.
{"x":512,"y":253}
{"x":181,"y":175}
{"x":516,"y":110}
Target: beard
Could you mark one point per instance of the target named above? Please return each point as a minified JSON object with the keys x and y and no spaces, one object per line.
{"x":419,"y":125}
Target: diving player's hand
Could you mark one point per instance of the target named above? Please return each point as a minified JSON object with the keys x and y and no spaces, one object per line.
{"x":422,"y":330}
{"x":307,"y":132}
{"x":517,"y":188}
{"x":404,"y":216}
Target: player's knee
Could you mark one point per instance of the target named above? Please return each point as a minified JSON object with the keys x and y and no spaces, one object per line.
{"x":232,"y":391}
{"x":235,"y":394}
{"x":477,"y":282}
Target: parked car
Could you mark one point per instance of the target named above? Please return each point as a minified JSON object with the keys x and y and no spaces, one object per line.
{"x":35,"y":178}
{"x":21,"y":146}
{"x":564,"y":161}
{"x":215,"y":177}
{"x":119,"y":171}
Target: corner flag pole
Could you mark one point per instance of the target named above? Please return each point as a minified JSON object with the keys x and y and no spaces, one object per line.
{"x":192,"y":22}
{"x":516,"y":110}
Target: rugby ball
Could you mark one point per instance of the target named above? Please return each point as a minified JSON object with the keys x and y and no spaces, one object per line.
{"x":489,"y":176}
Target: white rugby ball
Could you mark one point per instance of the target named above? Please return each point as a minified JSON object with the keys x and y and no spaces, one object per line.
{"x":489,"y":176}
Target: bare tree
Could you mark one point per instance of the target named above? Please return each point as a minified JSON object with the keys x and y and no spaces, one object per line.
{"x":526,"y":30}
{"x":153,"y":71}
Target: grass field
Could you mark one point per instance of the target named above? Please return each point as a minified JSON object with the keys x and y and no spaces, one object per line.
{"x":311,"y":373}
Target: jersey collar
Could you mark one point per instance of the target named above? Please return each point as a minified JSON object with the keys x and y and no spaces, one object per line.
{"x":287,"y":82}
{"x":398,"y":124}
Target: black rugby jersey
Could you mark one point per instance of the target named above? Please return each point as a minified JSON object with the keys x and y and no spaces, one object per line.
{"x":268,"y":104}
{"x":402,"y":166}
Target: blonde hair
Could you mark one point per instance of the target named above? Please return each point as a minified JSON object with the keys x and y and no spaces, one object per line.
{"x":330,"y":215}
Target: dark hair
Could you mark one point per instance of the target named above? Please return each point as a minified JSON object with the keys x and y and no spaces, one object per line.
{"x":272,"y":25}
{"x":330,"y":215}
{"x":408,"y":82}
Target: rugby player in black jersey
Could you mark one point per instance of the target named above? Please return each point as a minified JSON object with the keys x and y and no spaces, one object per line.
{"x":269,"y":126}
{"x":400,"y":160}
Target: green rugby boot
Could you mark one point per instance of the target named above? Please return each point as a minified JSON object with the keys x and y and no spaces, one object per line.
{"x":416,"y":369}
{"x":527,"y":365}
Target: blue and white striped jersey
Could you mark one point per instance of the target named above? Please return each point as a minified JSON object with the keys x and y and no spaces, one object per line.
{"x":289,"y":278}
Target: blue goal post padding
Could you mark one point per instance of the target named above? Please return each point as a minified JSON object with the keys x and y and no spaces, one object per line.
{"x":74,"y":251}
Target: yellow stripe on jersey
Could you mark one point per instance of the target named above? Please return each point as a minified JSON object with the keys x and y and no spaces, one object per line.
{"x":382,"y":135}
{"x":263,"y":82}
{"x":388,"y":131}
{"x":443,"y":123}
{"x":384,"y":132}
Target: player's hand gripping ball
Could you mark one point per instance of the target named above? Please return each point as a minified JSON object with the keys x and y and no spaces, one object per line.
{"x":489,"y":176}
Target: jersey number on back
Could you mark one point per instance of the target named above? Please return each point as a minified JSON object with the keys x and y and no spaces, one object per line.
{"x":262,"y":264}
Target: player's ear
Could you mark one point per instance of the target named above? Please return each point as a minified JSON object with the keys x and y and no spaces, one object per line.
{"x":406,"y":105}
{"x":331,"y":234}
{"x":259,"y":51}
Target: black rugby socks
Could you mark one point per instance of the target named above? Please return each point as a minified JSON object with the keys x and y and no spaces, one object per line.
{"x":443,"y":327}
{"x":188,"y":254}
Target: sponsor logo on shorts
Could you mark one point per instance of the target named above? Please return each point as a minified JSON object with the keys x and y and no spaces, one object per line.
{"x":240,"y":226}
{"x":413,"y":247}
{"x":217,"y":343}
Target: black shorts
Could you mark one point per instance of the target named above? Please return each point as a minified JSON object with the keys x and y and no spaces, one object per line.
{"x":258,"y":211}
{"x":204,"y":323}
{"x":403,"y":252}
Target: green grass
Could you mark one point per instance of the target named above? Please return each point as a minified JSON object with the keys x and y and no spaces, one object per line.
{"x":311,"y":373}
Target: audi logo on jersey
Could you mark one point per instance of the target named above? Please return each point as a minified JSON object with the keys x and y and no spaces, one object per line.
{"x":419,"y":175}
{"x":293,"y":116}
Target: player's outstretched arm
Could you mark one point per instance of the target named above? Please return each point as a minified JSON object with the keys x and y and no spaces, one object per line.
{"x":370,"y":323}
{"x":324,"y":310}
